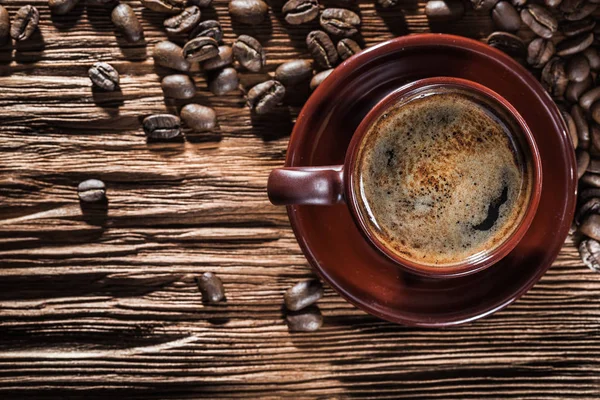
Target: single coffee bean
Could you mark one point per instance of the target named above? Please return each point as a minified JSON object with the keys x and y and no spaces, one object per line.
{"x":445,"y":10}
{"x":506,"y":17}
{"x":592,"y":206}
{"x":583,"y":130}
{"x":574,"y":28}
{"x":569,"y":6}
{"x":540,"y":20}
{"x":25,"y":23}
{"x":346,"y":48}
{"x":298,"y":12}
{"x":165,"y":6}
{"x":576,"y":89}
{"x":200,"y":3}
{"x":580,"y":13}
{"x":264,"y":97}
{"x":552,"y":3}
{"x":590,"y":97}
{"x":322,"y":49}
{"x":595,"y":135}
{"x":578,"y":68}
{"x":250,"y":12}
{"x":587,"y":194}
{"x":294,"y":72}
{"x":572,"y":128}
{"x":162,"y":126}
{"x":223,"y":81}
{"x":208,"y":28}
{"x":483,"y":5}
{"x":583,"y":160}
{"x":178,"y":86}
{"x":223,"y":59}
{"x":199,"y":118}
{"x":593,"y":180}
{"x":539,"y":52}
{"x":303,"y":294}
{"x":575,"y":44}
{"x":249,"y":53}
{"x":591,"y":226}
{"x":61,"y":7}
{"x":589,"y":250}
{"x":594,"y":166}
{"x":384,"y":3}
{"x":183,"y":22}
{"x":104,"y":76}
{"x":340,"y":22}
{"x":307,"y":320}
{"x":319,"y":78}
{"x":200,"y":49}
{"x":4,"y":26}
{"x":554,"y":77}
{"x":127,"y":23}
{"x":168,"y":54}
{"x":91,"y":191}
{"x":595,"y":112}
{"x":593,"y":58}
{"x":211,"y":287}
{"x":518,"y":3}
{"x":508,"y":43}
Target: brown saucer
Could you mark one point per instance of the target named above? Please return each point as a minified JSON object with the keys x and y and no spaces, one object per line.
{"x":334,"y":245}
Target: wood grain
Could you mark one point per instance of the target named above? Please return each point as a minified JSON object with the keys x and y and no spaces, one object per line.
{"x":100,"y":302}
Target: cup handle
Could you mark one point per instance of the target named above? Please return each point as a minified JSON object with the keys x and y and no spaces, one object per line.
{"x":306,"y":185}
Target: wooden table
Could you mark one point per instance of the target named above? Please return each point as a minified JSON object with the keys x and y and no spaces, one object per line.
{"x":106,"y":301}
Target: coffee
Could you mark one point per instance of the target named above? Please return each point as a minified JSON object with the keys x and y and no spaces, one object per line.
{"x":441,"y":178}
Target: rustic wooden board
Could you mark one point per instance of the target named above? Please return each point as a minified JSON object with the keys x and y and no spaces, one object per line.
{"x":106,"y":301}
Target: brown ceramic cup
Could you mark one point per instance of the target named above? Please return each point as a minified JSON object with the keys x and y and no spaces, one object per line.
{"x":329,"y":185}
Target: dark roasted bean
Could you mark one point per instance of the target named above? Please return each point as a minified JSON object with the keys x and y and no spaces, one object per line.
{"x":569,"y":6}
{"x":554,"y":77}
{"x":508,"y":43}
{"x":127,"y":23}
{"x":590,"y":97}
{"x":595,"y":112}
{"x":583,"y":160}
{"x":162,"y":126}
{"x":444,"y":10}
{"x":4,"y":26}
{"x":385,"y":3}
{"x":91,"y":191}
{"x":199,"y":118}
{"x":208,"y":28}
{"x":303,"y":294}
{"x":540,"y":20}
{"x":552,"y":3}
{"x":319,"y":78}
{"x":250,"y":12}
{"x":346,"y":48}
{"x":572,"y":128}
{"x":249,"y":53}
{"x":223,"y":81}
{"x":589,"y":250}
{"x":585,"y":10}
{"x":595,"y":135}
{"x":592,"y":206}
{"x":178,"y":86}
{"x":294,"y":72}
{"x":165,"y":6}
{"x":200,"y":3}
{"x":593,"y":57}
{"x":200,"y":49}
{"x":223,"y":59}
{"x":506,"y":17}
{"x":322,"y":49}
{"x":264,"y":97}
{"x":575,"y":44}
{"x":588,"y":193}
{"x":104,"y":76}
{"x":483,"y":5}
{"x":168,"y":54}
{"x":576,"y":89}
{"x":591,"y":226}
{"x":210,"y":287}
{"x":575,"y":28}
{"x":300,"y":11}
{"x":340,"y":22}
{"x":594,"y":166}
{"x":61,"y":7}
{"x":518,"y":3}
{"x":583,"y":130}
{"x":539,"y":52}
{"x":591,"y":179}
{"x":307,"y":320}
{"x":25,"y":23}
{"x":183,"y":22}
{"x":578,"y":68}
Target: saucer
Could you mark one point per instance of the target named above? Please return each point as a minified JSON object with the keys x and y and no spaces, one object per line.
{"x":332,"y":242}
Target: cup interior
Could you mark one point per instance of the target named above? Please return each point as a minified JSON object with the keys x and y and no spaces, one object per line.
{"x":524,"y":210}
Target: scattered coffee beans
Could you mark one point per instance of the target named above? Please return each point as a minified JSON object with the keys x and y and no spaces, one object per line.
{"x":483,"y":5}
{"x":575,"y":44}
{"x":554,"y":77}
{"x":162,"y":126}
{"x":250,"y":12}
{"x":322,"y":49}
{"x":388,"y":3}
{"x":583,"y":160}
{"x":539,"y":52}
{"x":592,"y":180}
{"x":298,"y":12}
{"x":104,"y":75}
{"x":540,"y":20}
{"x":183,"y":22}
{"x":444,"y":10}
{"x":508,"y":43}
{"x":209,"y":28}
{"x":571,"y":127}
{"x":592,"y":206}
{"x":589,"y":249}
{"x":61,"y":7}
{"x":319,"y":78}
{"x":506,"y":17}
{"x":583,"y":10}
{"x":576,"y":89}
{"x":593,"y":58}
{"x":165,"y":6}
{"x":249,"y":53}
{"x":199,"y":118}
{"x":211,"y":287}
{"x":223,"y":81}
{"x":346,"y":48}
{"x":200,"y":49}
{"x":578,"y":68}
{"x":127,"y":23}
{"x":303,"y":294}
{"x":91,"y":191}
{"x":307,"y":320}
{"x":583,"y":132}
{"x":178,"y":86}
{"x":590,"y":97}
{"x":591,"y":226}
{"x":264,"y":97}
{"x":574,"y":28}
{"x":340,"y":22}
{"x":25,"y":23}
{"x":4,"y":26}
{"x":223,"y":59}
{"x":294,"y":72}
{"x":168,"y":54}
{"x":200,"y":3}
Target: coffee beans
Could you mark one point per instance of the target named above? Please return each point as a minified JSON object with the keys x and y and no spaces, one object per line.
{"x":91,"y":191}
{"x":294,"y":72}
{"x":264,"y":97}
{"x":576,"y":89}
{"x":575,"y":44}
{"x":183,"y":22}
{"x":104,"y":76}
{"x":303,"y":294}
{"x":199,"y":118}
{"x":595,"y":112}
{"x":539,"y":52}
{"x":162,"y":126}
{"x":506,"y":17}
{"x":61,"y":7}
{"x":322,"y":49}
{"x":223,"y":81}
{"x":590,"y":97}
{"x":578,"y":68}
{"x":200,"y":3}
{"x":592,"y":206}
{"x":574,"y":28}
{"x":593,"y":58}
{"x":178,"y":86}
{"x":591,"y":226}
{"x":581,"y":12}
{"x":200,"y":48}
{"x":249,"y":53}
{"x":589,"y":250}
{"x":211,"y":287}
{"x":250,"y":12}
{"x":165,"y":6}
{"x":583,"y":160}
{"x":127,"y":23}
{"x":483,"y":5}
{"x":595,"y":136}
{"x":4,"y":26}
{"x":340,"y":22}
{"x":444,"y":10}
{"x":308,"y":320}
{"x":223,"y":59}
{"x":168,"y":54}
{"x":346,"y":48}
{"x":209,"y":28}
{"x":508,"y":43}
{"x":25,"y":23}
{"x":554,"y":77}
{"x":388,"y":3}
{"x":300,"y":11}
{"x":593,"y":180}
{"x":318,"y":78}
{"x":540,"y":20}
{"x":583,"y":132}
{"x":571,"y":127}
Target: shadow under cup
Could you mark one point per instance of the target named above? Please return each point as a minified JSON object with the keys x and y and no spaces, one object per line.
{"x":378,"y":180}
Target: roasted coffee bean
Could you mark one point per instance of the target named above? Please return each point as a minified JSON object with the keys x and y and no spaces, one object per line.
{"x":307,"y":320}
{"x":318,"y":78}
{"x":322,"y":49}
{"x":264,"y":97}
{"x":583,"y":130}
{"x":575,"y":44}
{"x":61,"y":7}
{"x":346,"y":48}
{"x":591,"y":226}
{"x":595,"y":112}
{"x":569,"y":6}
{"x":4,"y":26}
{"x":587,"y":194}
{"x":590,"y":97}
{"x":104,"y":76}
{"x":589,"y":250}
{"x":580,"y":13}
{"x":508,"y":43}
{"x":593,"y":57}
{"x":594,"y":166}
{"x":168,"y":54}
{"x":208,"y":28}
{"x":518,"y":3}
{"x":249,"y":53}
{"x":294,"y":72}
{"x":223,"y":81}
{"x":211,"y":287}
{"x":127,"y":23}
{"x":183,"y":22}
{"x":223,"y":59}
{"x":539,"y":52}
{"x":483,"y":5}
{"x":552,"y":3}
{"x":162,"y":126}
{"x":165,"y":6}
{"x":25,"y":23}
{"x":578,"y":68}
{"x":91,"y":191}
{"x":388,"y":3}
{"x":583,"y":160}
{"x":572,"y":128}
{"x":595,"y":135}
{"x":574,"y":28}
{"x":576,"y":89}
{"x":340,"y":22}
{"x":250,"y":12}
{"x":178,"y":86}
{"x":592,"y":206}
{"x":444,"y":10}
{"x":554,"y":77}
{"x":200,"y":49}
{"x":593,"y":180}
{"x":506,"y":17}
{"x":298,"y":12}
{"x":200,"y":3}
{"x":199,"y":118}
{"x":303,"y":294}
{"x":540,"y":20}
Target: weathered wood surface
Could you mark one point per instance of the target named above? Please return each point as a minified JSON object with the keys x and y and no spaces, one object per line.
{"x":105,"y":302}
